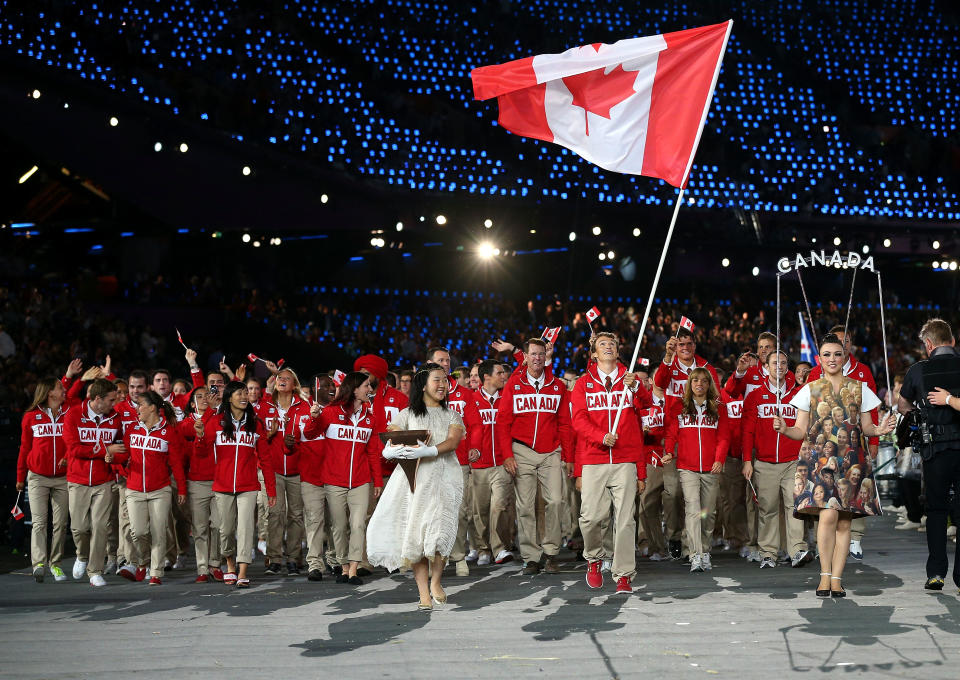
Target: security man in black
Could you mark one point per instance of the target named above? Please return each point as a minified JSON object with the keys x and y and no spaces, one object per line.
{"x":933,"y":388}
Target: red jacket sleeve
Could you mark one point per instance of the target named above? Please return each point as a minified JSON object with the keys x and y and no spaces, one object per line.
{"x":505,"y":421}
{"x":203,"y":446}
{"x":26,"y":443}
{"x":641,"y":398}
{"x":474,"y":424}
{"x":662,"y":377}
{"x":584,"y":426}
{"x":317,"y":426}
{"x":266,"y":465}
{"x":75,"y":394}
{"x":177,"y":459}
{"x":567,"y":441}
{"x":196,"y":375}
{"x":748,"y":422}
{"x":723,"y":435}
{"x":735,"y":386}
{"x":671,"y":425}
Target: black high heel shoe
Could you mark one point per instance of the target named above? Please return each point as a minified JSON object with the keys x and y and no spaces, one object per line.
{"x":837,"y":593}
{"x":825,"y":592}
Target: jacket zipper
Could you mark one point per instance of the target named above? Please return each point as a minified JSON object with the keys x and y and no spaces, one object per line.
{"x":536,"y":419}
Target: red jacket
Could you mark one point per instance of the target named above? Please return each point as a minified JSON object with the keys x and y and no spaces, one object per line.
{"x":235,"y":459}
{"x":350,"y":457}
{"x":594,"y":411}
{"x":311,"y":454}
{"x":755,"y":376}
{"x":128,"y":414}
{"x":485,"y":437}
{"x":699,"y":441}
{"x":152,"y":455}
{"x":672,"y":379}
{"x":759,"y":409}
{"x":180,"y":401}
{"x":464,"y":401}
{"x":386,"y":405}
{"x":858,"y":371}
{"x":41,"y":444}
{"x":199,"y":468}
{"x":540,"y":421}
{"x":735,"y":425}
{"x":87,"y":443}
{"x":286,"y":459}
{"x":651,"y":419}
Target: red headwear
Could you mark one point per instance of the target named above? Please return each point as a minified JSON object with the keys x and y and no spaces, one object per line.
{"x":375,"y":365}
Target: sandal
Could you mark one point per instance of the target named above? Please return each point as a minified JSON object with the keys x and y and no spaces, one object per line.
{"x":243,"y":583}
{"x":837,"y":593}
{"x":229,"y":578}
{"x":826,"y":592}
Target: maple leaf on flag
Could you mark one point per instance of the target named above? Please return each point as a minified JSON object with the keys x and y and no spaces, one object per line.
{"x":597,"y":92}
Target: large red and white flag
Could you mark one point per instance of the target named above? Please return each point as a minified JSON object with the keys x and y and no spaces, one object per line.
{"x":592,"y":314}
{"x":636,"y":106}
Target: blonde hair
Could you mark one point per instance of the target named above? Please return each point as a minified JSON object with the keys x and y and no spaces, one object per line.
{"x":40,"y":395}
{"x":296,"y":381}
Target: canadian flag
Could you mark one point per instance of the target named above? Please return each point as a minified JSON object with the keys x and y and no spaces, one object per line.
{"x":338,"y":377}
{"x":687,"y":323}
{"x":645,"y":362}
{"x":593,"y":314}
{"x":179,"y":337}
{"x":636,"y":106}
{"x":550,"y":334}
{"x":16,"y":511}
{"x":253,"y":358}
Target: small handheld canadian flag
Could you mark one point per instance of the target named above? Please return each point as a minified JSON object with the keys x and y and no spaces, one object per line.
{"x":316,"y":388}
{"x":687,"y":323}
{"x":645,"y":362}
{"x":593,"y":314}
{"x":338,"y":377}
{"x":16,"y":511}
{"x":180,"y":338}
{"x":253,"y":357}
{"x":550,"y":334}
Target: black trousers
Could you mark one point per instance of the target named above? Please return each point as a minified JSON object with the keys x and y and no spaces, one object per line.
{"x":910,"y":490}
{"x":941,"y":475}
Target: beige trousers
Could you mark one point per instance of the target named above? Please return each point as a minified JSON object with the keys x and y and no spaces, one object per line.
{"x":286,"y":519}
{"x":238,"y":517}
{"x":149,"y":516}
{"x":547,"y":470}
{"x":858,"y":527}
{"x":601,"y":487}
{"x":126,"y":549}
{"x":700,"y":490}
{"x":263,"y":508}
{"x":89,"y":515}
{"x":651,"y":506}
{"x":492,"y":489}
{"x":113,"y":524}
{"x":348,"y":519}
{"x":314,"y":516}
{"x":774,"y":482}
{"x":672,"y":501}
{"x":464,"y":519}
{"x":732,"y":513}
{"x":46,"y":493}
{"x":205,"y":523}
{"x":571,"y":508}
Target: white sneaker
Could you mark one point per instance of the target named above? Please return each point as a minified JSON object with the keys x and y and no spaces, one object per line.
{"x":180,"y":563}
{"x":504,"y":556}
{"x":952,"y":530}
{"x":462,"y":568}
{"x":658,"y":557}
{"x":695,"y":563}
{"x":79,"y":569}
{"x":754,"y":556}
{"x":856,"y":551}
{"x":483,"y":559}
{"x":744,"y":551}
{"x":97,"y":581}
{"x":262,"y":547}
{"x":58,"y":574}
{"x":705,"y":562}
{"x":767,"y":563}
{"x":907,"y":525}
{"x":606,"y":565}
{"x":472,"y":556}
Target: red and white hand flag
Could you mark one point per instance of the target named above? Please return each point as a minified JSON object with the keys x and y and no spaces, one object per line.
{"x":180,"y":338}
{"x":550,"y":334}
{"x":316,"y":388}
{"x":253,"y":358}
{"x":593,"y":314}
{"x":635,"y":107}
{"x":16,"y":511}
{"x":687,"y":323}
{"x":338,"y":377}
{"x":644,"y":362}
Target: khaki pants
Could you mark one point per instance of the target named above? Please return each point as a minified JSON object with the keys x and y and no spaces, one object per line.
{"x":546,"y":470}
{"x":775,"y":482}
{"x":464,"y":519}
{"x":733,"y":495}
{"x":314,"y":516}
{"x":113,"y":524}
{"x":700,"y":490}
{"x":45,"y":493}
{"x":571,"y":511}
{"x":672,"y":501}
{"x":492,"y":489}
{"x":286,"y":518}
{"x":753,"y":519}
{"x":126,"y":550}
{"x":205,"y":523}
{"x":149,"y":515}
{"x":602,"y":486}
{"x":858,"y":527}
{"x":348,"y":520}
{"x":89,"y":515}
{"x":178,"y":526}
{"x":651,"y":506}
{"x":238,"y":517}
{"x":263,"y":508}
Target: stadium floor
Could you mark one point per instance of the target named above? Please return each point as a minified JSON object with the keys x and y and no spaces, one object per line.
{"x":737,"y":621}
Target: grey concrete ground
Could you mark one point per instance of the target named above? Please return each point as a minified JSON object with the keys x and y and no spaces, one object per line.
{"x":737,"y":621}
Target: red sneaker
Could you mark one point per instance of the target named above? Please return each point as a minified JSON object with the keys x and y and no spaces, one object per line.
{"x":594,"y":575}
{"x":216,"y":574}
{"x":154,"y":581}
{"x":623,"y":585}
{"x":202,"y":578}
{"x":141,"y":573}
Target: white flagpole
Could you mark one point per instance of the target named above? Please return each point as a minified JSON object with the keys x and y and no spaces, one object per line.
{"x":673,"y":221}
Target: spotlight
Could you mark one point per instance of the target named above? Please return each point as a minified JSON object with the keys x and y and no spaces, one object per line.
{"x":836,"y":240}
{"x":488,"y":223}
{"x":936,"y":264}
{"x":935,"y":244}
{"x":572,"y":236}
{"x":953,"y":266}
{"x":246,"y":238}
{"x":485,"y":251}
{"x":399,"y":226}
{"x":596,"y":231}
{"x":36,"y":94}
{"x":66,"y":105}
{"x":441,"y":220}
{"x":533,"y":231}
{"x":887,"y":243}
{"x":866,"y":249}
{"x":602,"y":256}
{"x":256,"y":244}
{"x":377,"y":242}
{"x":496,"y":251}
{"x":158,"y":147}
{"x":636,"y":231}
{"x":725,"y":262}
{"x":183,"y":147}
{"x":610,"y":255}
{"x":826,"y":128}
{"x":756,"y":271}
{"x":246,"y":170}
{"x":324,"y":198}
{"x":114,"y":121}
{"x":28,"y":174}
{"x":422,"y":218}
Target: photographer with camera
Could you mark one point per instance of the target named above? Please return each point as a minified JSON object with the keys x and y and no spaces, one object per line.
{"x":931,"y":387}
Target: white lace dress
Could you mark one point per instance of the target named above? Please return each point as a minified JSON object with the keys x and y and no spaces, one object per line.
{"x":405,"y":527}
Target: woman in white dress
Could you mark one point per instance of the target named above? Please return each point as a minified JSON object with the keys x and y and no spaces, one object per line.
{"x":410,"y":528}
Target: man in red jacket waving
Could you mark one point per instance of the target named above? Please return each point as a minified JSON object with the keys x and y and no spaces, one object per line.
{"x":609,"y":458}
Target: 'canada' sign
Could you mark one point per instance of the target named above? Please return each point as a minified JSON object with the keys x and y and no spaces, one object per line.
{"x":820,"y":258}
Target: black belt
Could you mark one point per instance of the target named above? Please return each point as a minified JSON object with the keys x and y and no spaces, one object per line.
{"x":522,"y":443}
